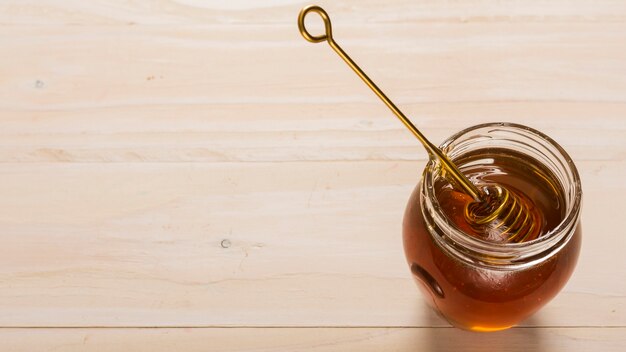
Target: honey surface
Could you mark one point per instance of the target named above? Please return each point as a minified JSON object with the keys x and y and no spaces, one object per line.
{"x":539,"y":199}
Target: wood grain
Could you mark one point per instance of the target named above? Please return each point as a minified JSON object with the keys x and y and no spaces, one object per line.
{"x":194,"y":174}
{"x":309,"y":244}
{"x":352,"y":339}
{"x":244,"y":12}
{"x":187,"y":93}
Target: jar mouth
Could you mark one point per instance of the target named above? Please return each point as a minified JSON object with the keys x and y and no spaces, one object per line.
{"x":496,"y":254}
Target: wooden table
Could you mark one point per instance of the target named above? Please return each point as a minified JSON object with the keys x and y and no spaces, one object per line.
{"x":194,"y":176}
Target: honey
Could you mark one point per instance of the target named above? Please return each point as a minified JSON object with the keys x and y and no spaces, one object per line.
{"x":533,"y":185}
{"x":477,"y":292}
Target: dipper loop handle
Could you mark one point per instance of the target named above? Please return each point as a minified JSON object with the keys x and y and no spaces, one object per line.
{"x":327,"y":26}
{"x":446,"y":163}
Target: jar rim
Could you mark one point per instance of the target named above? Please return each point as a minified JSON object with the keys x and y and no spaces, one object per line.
{"x":505,"y":254}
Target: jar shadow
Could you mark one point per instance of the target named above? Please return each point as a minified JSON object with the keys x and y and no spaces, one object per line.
{"x":525,"y":338}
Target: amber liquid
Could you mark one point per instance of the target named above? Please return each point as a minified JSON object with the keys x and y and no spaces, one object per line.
{"x":479,"y":298}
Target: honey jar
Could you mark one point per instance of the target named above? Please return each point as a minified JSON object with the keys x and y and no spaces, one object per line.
{"x":472,"y":279}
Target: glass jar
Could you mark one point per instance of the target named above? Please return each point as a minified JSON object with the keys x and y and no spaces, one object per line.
{"x":482,"y":285}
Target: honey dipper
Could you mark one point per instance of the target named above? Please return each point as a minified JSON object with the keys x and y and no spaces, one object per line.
{"x":494,"y":208}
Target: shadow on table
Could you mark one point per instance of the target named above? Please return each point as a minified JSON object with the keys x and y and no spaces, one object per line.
{"x":452,"y":339}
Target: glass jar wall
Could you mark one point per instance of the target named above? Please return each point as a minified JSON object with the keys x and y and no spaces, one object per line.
{"x":482,"y":285}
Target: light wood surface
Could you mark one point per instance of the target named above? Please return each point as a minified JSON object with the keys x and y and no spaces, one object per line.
{"x":193,"y":175}
{"x":317,"y":339}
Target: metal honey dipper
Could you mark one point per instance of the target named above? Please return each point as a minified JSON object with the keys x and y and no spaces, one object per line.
{"x":494,"y":208}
